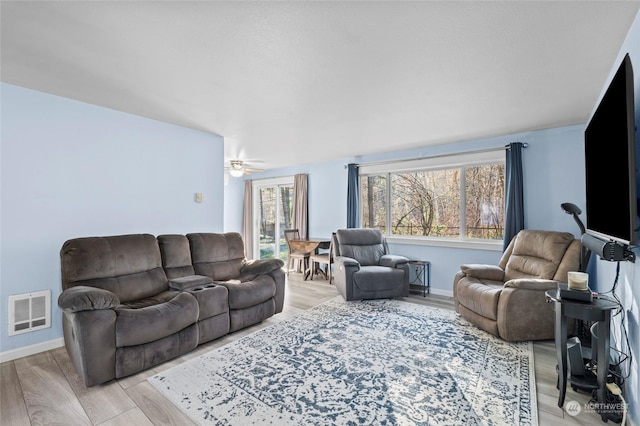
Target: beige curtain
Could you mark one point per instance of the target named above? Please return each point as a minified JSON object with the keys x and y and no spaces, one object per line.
{"x":247,"y":222}
{"x":300,"y":205}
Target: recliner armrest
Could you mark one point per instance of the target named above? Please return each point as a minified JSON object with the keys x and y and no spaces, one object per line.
{"x":189,"y":281}
{"x":347,"y":261}
{"x":532,"y":284}
{"x":261,"y":266}
{"x":483,"y":272}
{"x":85,"y":298}
{"x":393,"y":260}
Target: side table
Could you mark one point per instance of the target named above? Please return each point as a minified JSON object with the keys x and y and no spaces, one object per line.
{"x":422,"y":269}
{"x":599,"y":310}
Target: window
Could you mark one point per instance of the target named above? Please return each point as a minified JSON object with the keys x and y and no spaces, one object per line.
{"x":453,"y":197}
{"x":272,"y":213}
{"x":374,"y":201}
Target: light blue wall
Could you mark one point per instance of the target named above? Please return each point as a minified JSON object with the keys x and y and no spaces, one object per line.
{"x":70,"y":169}
{"x":327,"y":196}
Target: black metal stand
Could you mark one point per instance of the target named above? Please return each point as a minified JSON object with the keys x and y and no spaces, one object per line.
{"x":422,"y":269}
{"x":599,"y":310}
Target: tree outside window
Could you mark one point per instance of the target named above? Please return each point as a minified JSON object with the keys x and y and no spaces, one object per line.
{"x":461,"y":202}
{"x":374,"y":201}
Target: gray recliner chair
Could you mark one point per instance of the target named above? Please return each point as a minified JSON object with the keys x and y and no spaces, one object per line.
{"x":364,"y":269}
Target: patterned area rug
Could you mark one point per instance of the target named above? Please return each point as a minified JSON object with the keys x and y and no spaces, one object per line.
{"x":384,"y":362}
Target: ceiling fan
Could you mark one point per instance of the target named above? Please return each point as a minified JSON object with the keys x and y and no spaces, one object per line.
{"x":238,"y":168}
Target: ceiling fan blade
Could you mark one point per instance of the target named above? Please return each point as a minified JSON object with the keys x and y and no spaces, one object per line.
{"x":241,"y":167}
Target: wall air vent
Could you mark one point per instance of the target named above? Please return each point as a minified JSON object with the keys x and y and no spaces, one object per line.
{"x":29,"y":312}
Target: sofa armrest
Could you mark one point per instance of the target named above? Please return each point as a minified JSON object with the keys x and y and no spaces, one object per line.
{"x":189,"y":281}
{"x":347,"y":261}
{"x":345,"y":268}
{"x":532,"y":284}
{"x":393,"y":260}
{"x":85,"y":298}
{"x":524,"y":312}
{"x":483,"y":272}
{"x":261,"y":266}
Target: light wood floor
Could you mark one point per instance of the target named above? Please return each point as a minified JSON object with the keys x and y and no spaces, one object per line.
{"x":44,"y":389}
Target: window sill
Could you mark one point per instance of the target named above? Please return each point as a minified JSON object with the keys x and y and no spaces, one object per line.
{"x":495,"y":245}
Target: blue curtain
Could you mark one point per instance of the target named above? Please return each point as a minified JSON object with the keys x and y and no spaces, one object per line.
{"x":353,"y":199}
{"x":514,"y":199}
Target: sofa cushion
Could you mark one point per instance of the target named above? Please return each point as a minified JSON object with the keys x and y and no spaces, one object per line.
{"x":249,"y":293}
{"x":157,"y":299}
{"x":378,"y":278}
{"x":362,"y":244}
{"x":133,"y":287}
{"x":129,"y":266}
{"x":176,"y":255}
{"x":537,"y":254}
{"x":136,"y":326}
{"x":480,"y":297}
{"x":219,"y":256}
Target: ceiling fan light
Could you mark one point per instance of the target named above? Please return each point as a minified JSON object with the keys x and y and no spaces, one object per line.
{"x":236,"y":172}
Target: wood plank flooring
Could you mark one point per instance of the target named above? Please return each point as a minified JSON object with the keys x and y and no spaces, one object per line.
{"x":44,"y":389}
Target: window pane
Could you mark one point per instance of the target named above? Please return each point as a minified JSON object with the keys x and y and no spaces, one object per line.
{"x":286,"y":217}
{"x":267,"y":222}
{"x":484,"y":211}
{"x":426,"y":203}
{"x":373,"y":196}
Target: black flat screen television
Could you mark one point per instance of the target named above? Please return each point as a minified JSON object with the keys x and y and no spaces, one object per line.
{"x":610,"y":162}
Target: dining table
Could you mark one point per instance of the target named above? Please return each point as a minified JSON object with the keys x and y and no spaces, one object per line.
{"x":309,"y":245}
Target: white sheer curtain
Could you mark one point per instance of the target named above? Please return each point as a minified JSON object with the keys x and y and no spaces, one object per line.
{"x":247,"y":223}
{"x":300,"y":204}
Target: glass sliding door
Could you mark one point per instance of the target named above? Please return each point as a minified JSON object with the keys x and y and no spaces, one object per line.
{"x":267,"y":227}
{"x":273,"y":212}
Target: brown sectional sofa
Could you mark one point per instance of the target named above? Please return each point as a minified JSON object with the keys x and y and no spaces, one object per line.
{"x":134,"y":301}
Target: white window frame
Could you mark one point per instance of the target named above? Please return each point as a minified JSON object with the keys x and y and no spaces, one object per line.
{"x":489,"y":156}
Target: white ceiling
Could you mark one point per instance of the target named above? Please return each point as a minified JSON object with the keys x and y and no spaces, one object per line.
{"x":297,"y":82}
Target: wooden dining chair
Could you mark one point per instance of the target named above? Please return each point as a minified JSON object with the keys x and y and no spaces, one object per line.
{"x":303,"y":258}
{"x":325,"y":258}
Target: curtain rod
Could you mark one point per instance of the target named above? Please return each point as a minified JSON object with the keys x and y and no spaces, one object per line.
{"x":524,"y":145}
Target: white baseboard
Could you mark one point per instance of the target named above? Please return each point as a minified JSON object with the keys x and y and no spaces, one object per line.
{"x":31,"y":350}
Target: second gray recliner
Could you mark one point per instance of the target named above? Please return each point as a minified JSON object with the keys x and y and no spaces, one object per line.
{"x":364,"y":269}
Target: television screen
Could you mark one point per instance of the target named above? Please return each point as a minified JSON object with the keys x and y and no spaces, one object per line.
{"x":610,"y":162}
